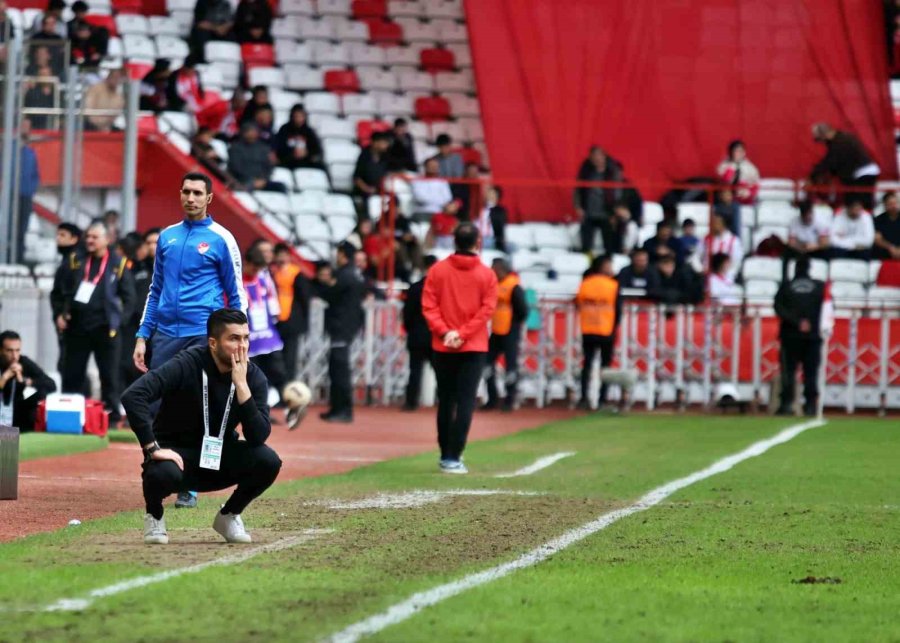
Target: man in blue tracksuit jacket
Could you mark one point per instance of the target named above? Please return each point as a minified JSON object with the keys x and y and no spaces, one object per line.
{"x":197,"y":271}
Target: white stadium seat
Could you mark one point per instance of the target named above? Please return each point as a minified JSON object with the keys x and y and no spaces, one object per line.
{"x":314,"y":30}
{"x":372,"y":78}
{"x":526,"y":259}
{"x":290,"y":51}
{"x":341,"y":227}
{"x":277,"y":225}
{"x":405,"y":9}
{"x":334,"y":7}
{"x":395,"y":105}
{"x":461,"y":54}
{"x":352,"y":31}
{"x":848,"y":292}
{"x":309,"y":201}
{"x":698,"y":212}
{"x":414,"y":30}
{"x":273,"y":201}
{"x":338,"y":205}
{"x":303,"y":77}
{"x":775,"y":213}
{"x":874,"y":269}
{"x":363,"y":54}
{"x":328,"y":53}
{"x":548,"y":235}
{"x":472,"y":129}
{"x":461,"y":105}
{"x":411,"y":80}
{"x":760,"y":291}
{"x":652,"y":213}
{"x":849,"y":270}
{"x":331,"y":127}
{"x":520,"y":236}
{"x":219,"y":50}
{"x":297,"y":7}
{"x":818,"y":269}
{"x":881,"y":295}
{"x":132,"y":23}
{"x":311,"y":179}
{"x":285,"y":176}
{"x":402,"y":57}
{"x":137,"y":46}
{"x":340,"y":151}
{"x":454,"y":130}
{"x":311,"y":228}
{"x":321,"y":103}
{"x":450,"y":31}
{"x":442,"y":9}
{"x":342,"y":175}
{"x":458,"y":82}
{"x":766,"y":268}
{"x":360,"y":104}
{"x":272,"y":77}
{"x":570,"y":263}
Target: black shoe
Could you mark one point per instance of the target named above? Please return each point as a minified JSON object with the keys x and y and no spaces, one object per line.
{"x":338,"y":418}
{"x":583,"y":405}
{"x":784,"y":411}
{"x":409,"y":408}
{"x":809,"y":410}
{"x":325,"y":415}
{"x":490,"y":406}
{"x":507,"y":408}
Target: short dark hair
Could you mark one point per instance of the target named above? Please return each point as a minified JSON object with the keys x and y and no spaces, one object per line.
{"x":465,"y":237}
{"x":9,"y":334}
{"x":254,"y":256}
{"x":400,"y":122}
{"x":805,"y":206}
{"x":687,"y":222}
{"x":598,"y":263}
{"x":258,"y":88}
{"x":443,"y":139}
{"x":854,"y":200}
{"x":219,"y":319}
{"x":718,"y":260}
{"x":380,"y":136}
{"x":198,"y":176}
{"x":499,"y":191}
{"x":666,"y":224}
{"x":346,"y":249}
{"x":429,"y":261}
{"x":156,"y":231}
{"x":801,"y":267}
{"x":733,"y":145}
{"x":71,"y":228}
{"x":281,"y":246}
{"x":887,"y":196}
{"x":501,"y":263}
{"x":79,"y":5}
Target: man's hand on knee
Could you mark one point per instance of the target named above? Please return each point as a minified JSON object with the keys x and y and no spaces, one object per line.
{"x":168,"y":454}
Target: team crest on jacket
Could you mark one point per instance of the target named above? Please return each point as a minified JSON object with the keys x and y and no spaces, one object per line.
{"x":203,"y":247}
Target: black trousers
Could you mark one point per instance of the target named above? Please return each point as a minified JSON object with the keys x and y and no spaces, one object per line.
{"x":808,"y":353}
{"x":341,"y":394}
{"x":867,"y":198}
{"x":589,"y":229}
{"x":418,"y":357}
{"x":590,"y":344}
{"x":128,"y":372}
{"x":79,"y":346}
{"x":508,"y":346}
{"x":458,"y":376}
{"x":272,"y":366}
{"x":252,"y":468}
{"x":291,"y":341}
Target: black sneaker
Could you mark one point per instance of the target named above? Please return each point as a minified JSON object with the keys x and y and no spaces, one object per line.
{"x":583,"y":405}
{"x":490,"y":406}
{"x":409,"y":408}
{"x":784,"y":411}
{"x":337,"y":418}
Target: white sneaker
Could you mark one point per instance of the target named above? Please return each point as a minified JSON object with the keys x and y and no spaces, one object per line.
{"x":231,"y":528}
{"x":155,"y":531}
{"x":453,"y":466}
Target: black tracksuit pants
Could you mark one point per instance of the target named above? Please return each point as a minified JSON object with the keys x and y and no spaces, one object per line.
{"x":291,"y":341}
{"x":252,"y":468}
{"x":79,"y":346}
{"x":418,"y":357}
{"x":590,"y":344}
{"x":458,"y":376}
{"x":508,"y":346}
{"x":797,"y":351}
{"x":272,"y":366}
{"x":341,"y":394}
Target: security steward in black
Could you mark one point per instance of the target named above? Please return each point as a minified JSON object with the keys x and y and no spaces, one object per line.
{"x":506,"y":333}
{"x":343,"y":291}
{"x":798,"y":304}
{"x":101,"y":296}
{"x":418,"y":338}
{"x":70,"y":247}
{"x":173,"y":440}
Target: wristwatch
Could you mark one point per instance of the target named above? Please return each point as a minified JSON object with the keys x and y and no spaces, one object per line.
{"x":149,"y":451}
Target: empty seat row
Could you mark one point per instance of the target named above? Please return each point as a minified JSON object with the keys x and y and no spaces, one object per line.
{"x":844,"y":270}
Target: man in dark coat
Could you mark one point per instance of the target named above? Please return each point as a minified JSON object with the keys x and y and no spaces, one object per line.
{"x":418,"y":338}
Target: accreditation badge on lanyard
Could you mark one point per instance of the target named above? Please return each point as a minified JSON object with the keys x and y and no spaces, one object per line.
{"x":211,"y":451}
{"x":87,"y":286}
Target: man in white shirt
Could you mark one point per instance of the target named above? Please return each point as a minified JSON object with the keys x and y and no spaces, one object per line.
{"x":432,"y":194}
{"x":722,"y":289}
{"x":852,"y":232}
{"x":809,"y":234}
{"x":721,"y":240}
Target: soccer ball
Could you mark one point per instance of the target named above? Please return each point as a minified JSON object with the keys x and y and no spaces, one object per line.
{"x":296,"y":395}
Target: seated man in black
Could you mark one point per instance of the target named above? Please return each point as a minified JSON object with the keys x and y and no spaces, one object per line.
{"x":22,"y":384}
{"x":638,"y":279}
{"x":191,"y":443}
{"x":372,"y":166}
{"x":665,"y":242}
{"x":887,"y":229}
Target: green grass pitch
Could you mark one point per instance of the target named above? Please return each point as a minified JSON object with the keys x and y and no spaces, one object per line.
{"x":721,"y":560}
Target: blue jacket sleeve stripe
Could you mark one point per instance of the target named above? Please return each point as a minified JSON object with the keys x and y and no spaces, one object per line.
{"x":231,"y":269}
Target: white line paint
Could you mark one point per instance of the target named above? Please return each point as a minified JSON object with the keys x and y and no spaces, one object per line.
{"x":412,"y":499}
{"x":537,"y":465}
{"x":417,"y":602}
{"x":78,"y":604}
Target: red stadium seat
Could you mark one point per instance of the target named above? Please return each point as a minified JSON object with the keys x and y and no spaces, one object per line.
{"x":137,"y":70}
{"x":363,"y":9}
{"x":128,"y":6}
{"x":434,"y":60}
{"x":341,"y":81}
{"x":469,"y":155}
{"x":365,"y":129}
{"x":257,"y":55}
{"x":384,"y":32}
{"x":108,"y":22}
{"x":432,"y":108}
{"x":147,"y":125}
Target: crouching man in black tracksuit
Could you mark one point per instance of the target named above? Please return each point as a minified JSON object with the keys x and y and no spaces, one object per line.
{"x":205,"y":392}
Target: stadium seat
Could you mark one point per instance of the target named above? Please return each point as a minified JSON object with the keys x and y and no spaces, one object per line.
{"x":291,"y":51}
{"x":311,"y":179}
{"x":652,"y":213}
{"x":220,"y":50}
{"x":455,"y":82}
{"x":775,"y":213}
{"x":760,"y":291}
{"x":338,"y":205}
{"x":411,"y":80}
{"x":247,"y":201}
{"x":340,"y":151}
{"x":315,"y":250}
{"x":874,"y":269}
{"x":273,"y":201}
{"x":221,"y":148}
{"x":173,"y":47}
{"x":645,"y":232}
{"x":313,"y":30}
{"x":272,"y":77}
{"x":349,"y":31}
{"x":181,"y":122}
{"x":311,"y":228}
{"x":698,"y":212}
{"x":365,"y":55}
{"x":472,"y":130}
{"x":327,"y":53}
{"x":180,"y":141}
{"x":364,"y":9}
{"x":454,"y":130}
{"x":414,"y":30}
{"x":442,"y":9}
{"x":776,"y":190}
{"x":527,"y":260}
{"x":402,"y":57}
{"x":309,"y":201}
{"x":570,"y":263}
{"x":848,"y":292}
{"x":521,"y":237}
{"x":461,"y":54}
{"x":284,"y":176}
{"x":135,"y":46}
{"x":371,"y":78}
{"x":333,"y":127}
{"x":548,"y":235}
{"x":107,"y":22}
{"x":341,"y":81}
{"x":360,"y":104}
{"x":365,"y":129}
{"x":765,"y":268}
{"x":450,"y":31}
{"x":404,"y":9}
{"x":296,"y":7}
{"x":184,"y":20}
{"x":341,"y":226}
{"x":257,"y":55}
{"x":394,"y":106}
{"x":461,"y":105}
{"x":342,"y":175}
{"x":818,"y":269}
{"x":129,"y":23}
{"x":282,"y":100}
{"x":849,"y":270}
{"x":321,"y":103}
{"x":303,"y":77}
{"x":432,"y":108}
{"x":882,"y":296}
{"x":333,"y":7}
{"x":385,"y":32}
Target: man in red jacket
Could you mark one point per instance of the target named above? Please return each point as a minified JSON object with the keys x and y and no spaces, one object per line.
{"x":458,"y":301}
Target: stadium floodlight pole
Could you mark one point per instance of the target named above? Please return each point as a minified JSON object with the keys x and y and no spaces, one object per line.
{"x":129,"y":162}
{"x":67,"y":209}
{"x":13,"y":47}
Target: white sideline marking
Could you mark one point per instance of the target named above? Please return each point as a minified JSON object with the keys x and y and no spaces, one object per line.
{"x":411,"y":499}
{"x":78,"y":604}
{"x":537,"y":465}
{"x":417,"y":602}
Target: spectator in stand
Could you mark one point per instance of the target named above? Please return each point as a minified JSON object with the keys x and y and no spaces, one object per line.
{"x":847,"y":160}
{"x":42,"y":94}
{"x":264,"y":119}
{"x":6,"y":28}
{"x":430,"y":196}
{"x":87,"y":45}
{"x":250,"y":162}
{"x":492,"y":220}
{"x":29,"y":182}
{"x":730,"y":211}
{"x":887,"y":229}
{"x":443,"y":227}
{"x":294,"y":295}
{"x":852,"y":232}
{"x":721,"y":240}
{"x":594,"y":205}
{"x":738,"y":172}
{"x":599,"y":303}
{"x":625,"y":231}
{"x":79,"y":14}
{"x":418,"y":338}
{"x":665,"y":242}
{"x":213,"y":20}
{"x":689,"y":240}
{"x":259,"y":97}
{"x":297,"y":144}
{"x":253,"y":21}
{"x":722,"y":289}
{"x":369,"y":276}
{"x":44,"y":57}
{"x":184,"y":91}
{"x":371,"y":166}
{"x":111,"y":220}
{"x":676,"y":284}
{"x":154,"y":87}
{"x":230,"y":127}
{"x":22,"y":384}
{"x":638,"y":277}
{"x":402,"y":153}
{"x":42,"y":29}
{"x":450,"y":163}
{"x":471,"y":194}
{"x":807,"y":235}
{"x":363,"y":230}
{"x":203,"y":150}
{"x":105,"y":95}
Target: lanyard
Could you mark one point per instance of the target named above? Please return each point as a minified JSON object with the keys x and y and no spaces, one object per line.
{"x":90,"y":263}
{"x":206,"y":408}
